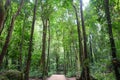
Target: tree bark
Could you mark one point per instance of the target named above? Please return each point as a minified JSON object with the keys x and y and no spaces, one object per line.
{"x":6,"y":60}
{"x":48,"y":59}
{"x":3,"y":25}
{"x":79,"y":39}
{"x":79,"y":34}
{"x":30,"y":44}
{"x":57,"y":63}
{"x":86,"y":72}
{"x":112,"y":42}
{"x":4,"y":49}
{"x":43,"y":59}
{"x":64,"y":60}
{"x":91,"y":49}
{"x":6,"y":7}
{"x":2,"y":14}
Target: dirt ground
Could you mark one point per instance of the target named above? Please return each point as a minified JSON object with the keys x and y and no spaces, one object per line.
{"x":57,"y":77}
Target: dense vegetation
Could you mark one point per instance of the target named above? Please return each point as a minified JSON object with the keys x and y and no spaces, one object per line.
{"x":39,"y":38}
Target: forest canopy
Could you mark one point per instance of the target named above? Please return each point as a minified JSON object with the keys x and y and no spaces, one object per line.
{"x":76,"y":38}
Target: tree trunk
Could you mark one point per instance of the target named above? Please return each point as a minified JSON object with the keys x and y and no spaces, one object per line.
{"x":79,"y":35}
{"x":43,"y":59}
{"x":6,"y":60}
{"x":79,"y":39}
{"x":3,"y":25}
{"x":64,"y":49}
{"x":2,"y":13}
{"x":86,"y":72}
{"x":57,"y":63}
{"x":4,"y":49}
{"x":30,"y":44}
{"x":113,"y":48}
{"x":48,"y":59}
{"x":64,"y":60}
{"x":91,"y":50}
{"x":7,"y":4}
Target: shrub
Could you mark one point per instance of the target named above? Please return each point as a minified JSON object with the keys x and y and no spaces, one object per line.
{"x":2,"y":77}
{"x":14,"y":75}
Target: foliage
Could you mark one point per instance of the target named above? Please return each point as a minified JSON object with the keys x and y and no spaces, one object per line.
{"x":3,"y":77}
{"x":11,"y":75}
{"x":64,"y":43}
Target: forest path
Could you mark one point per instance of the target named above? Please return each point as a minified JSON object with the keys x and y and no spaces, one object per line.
{"x":56,"y":77}
{"x":59,"y":77}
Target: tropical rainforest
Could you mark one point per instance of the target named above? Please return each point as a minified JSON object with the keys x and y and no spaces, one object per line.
{"x":75,"y":38}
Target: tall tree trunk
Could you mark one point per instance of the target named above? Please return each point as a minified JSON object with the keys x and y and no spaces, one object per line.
{"x":6,"y":7}
{"x":91,"y":49}
{"x":48,"y":58}
{"x":79,"y":38}
{"x":64,"y":60}
{"x":3,"y":25}
{"x":79,"y":34}
{"x":6,"y":60}
{"x":57,"y":62}
{"x":86,"y":72}
{"x":43,"y":59}
{"x":64,"y":49}
{"x":30,"y":44}
{"x":4,"y":49}
{"x":2,"y":13}
{"x":113,"y":48}
{"x":67,"y":61}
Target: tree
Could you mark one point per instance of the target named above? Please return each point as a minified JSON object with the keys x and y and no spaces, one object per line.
{"x":59,"y":43}
{"x":43,"y":59}
{"x":48,"y":55}
{"x":8,"y":37}
{"x":30,"y":44}
{"x":46,"y":11}
{"x":2,"y":13}
{"x":79,"y":38}
{"x":85,"y":68}
{"x":113,"y":48}
{"x":5,"y":14}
